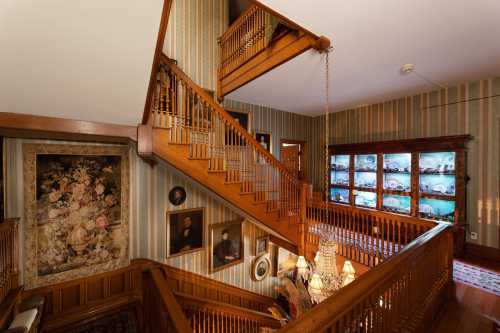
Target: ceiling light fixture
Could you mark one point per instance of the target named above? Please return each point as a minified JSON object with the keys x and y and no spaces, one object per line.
{"x":410,"y":68}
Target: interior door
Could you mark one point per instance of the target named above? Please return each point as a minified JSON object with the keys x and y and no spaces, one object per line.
{"x":290,"y":157}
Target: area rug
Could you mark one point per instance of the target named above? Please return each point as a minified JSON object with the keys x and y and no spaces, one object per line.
{"x":476,"y":277}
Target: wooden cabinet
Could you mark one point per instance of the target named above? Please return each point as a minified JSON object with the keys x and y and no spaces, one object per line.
{"x":423,"y":178}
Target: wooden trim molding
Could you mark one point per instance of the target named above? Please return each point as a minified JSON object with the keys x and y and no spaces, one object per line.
{"x":160,"y":40}
{"x":41,"y":127}
{"x":482,"y":252}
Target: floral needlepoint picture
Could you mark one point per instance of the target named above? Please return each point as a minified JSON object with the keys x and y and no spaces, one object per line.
{"x":78,"y":214}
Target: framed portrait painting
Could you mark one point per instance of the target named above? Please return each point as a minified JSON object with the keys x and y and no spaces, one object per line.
{"x":264,"y":139}
{"x":226,"y":245}
{"x":241,"y":117}
{"x":261,"y":245}
{"x":76,"y":206}
{"x":185,"y":231}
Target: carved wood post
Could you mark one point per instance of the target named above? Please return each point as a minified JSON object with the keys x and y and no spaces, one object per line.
{"x":305,"y":196}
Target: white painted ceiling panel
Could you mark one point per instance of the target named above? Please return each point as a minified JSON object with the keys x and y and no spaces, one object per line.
{"x":86,"y":60}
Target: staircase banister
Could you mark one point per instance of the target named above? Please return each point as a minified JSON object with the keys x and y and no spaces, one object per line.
{"x":203,"y":303}
{"x":227,"y":117}
{"x":250,"y":9}
{"x":326,"y":313}
{"x":374,"y":213}
{"x":173,"y":308}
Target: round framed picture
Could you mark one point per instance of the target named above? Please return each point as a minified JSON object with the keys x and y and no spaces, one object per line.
{"x":260,"y":268}
{"x":177,"y":196}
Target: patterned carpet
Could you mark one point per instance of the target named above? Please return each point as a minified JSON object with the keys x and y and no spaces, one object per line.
{"x":476,"y":277}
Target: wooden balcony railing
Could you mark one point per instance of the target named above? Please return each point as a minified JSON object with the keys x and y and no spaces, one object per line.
{"x":192,"y":117}
{"x":403,"y":294}
{"x":207,"y":316}
{"x":365,"y":236}
{"x":246,"y":37}
{"x":9,"y":257}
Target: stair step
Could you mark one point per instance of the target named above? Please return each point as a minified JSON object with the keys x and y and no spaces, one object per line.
{"x":199,"y":158}
{"x":233,"y":182}
{"x":217,"y":171}
{"x":246,"y":193}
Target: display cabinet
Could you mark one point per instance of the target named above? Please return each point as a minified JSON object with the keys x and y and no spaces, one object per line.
{"x":423,"y":178}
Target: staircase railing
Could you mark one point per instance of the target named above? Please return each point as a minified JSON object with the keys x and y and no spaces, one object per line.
{"x":363,"y":235}
{"x":9,"y":257}
{"x":403,"y":294}
{"x":247,"y":36}
{"x":207,"y":316}
{"x":192,"y":117}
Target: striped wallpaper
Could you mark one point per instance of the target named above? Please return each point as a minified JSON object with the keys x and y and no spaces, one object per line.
{"x":281,"y":124}
{"x":191,"y":38}
{"x":149,"y":188}
{"x":463,"y":109}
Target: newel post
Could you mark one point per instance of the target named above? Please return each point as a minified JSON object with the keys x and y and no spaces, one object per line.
{"x":305,"y":196}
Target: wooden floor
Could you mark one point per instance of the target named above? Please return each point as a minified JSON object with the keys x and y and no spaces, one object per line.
{"x":473,"y":311}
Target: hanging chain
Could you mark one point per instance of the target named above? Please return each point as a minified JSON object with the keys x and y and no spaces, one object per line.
{"x":327,"y":123}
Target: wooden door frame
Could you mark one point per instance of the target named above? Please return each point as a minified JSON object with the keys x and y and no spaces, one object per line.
{"x":304,"y":153}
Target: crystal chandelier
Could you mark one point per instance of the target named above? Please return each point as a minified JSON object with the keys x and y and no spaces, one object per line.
{"x":323,"y":277}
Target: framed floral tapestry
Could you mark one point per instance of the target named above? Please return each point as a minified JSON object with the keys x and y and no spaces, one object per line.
{"x":76,"y":206}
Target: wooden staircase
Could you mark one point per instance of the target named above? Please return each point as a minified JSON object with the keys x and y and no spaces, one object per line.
{"x":190,"y":131}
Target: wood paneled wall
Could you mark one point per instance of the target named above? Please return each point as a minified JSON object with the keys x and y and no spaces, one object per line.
{"x":463,"y":109}
{"x":191,"y":39}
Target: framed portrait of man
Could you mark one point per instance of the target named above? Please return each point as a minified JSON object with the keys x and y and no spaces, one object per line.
{"x":264,"y":139}
{"x":226,"y":245}
{"x":185,"y":231}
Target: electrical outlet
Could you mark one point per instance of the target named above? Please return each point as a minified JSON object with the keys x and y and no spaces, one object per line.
{"x":473,"y":235}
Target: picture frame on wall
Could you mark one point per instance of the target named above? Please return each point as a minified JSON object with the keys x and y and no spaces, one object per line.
{"x":243,"y":118}
{"x":261,"y":268}
{"x":261,"y":245}
{"x":185,"y":231}
{"x":76,"y":200}
{"x":226,"y":245}
{"x":177,"y":195}
{"x":264,"y":139}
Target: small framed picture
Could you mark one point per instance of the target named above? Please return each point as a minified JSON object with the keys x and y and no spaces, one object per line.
{"x":264,"y":139}
{"x":261,"y":267}
{"x":226,"y":245}
{"x":261,"y":245}
{"x":242,"y":117}
{"x":185,"y":231}
{"x":177,"y":196}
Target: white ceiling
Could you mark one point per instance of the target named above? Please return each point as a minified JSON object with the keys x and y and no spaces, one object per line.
{"x":449,"y":41}
{"x":86,"y":60}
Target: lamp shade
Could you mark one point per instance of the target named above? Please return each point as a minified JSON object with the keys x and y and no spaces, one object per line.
{"x":316,"y":285}
{"x":348,"y":269}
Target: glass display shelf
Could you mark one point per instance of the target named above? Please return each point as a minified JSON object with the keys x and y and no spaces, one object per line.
{"x":435,"y":209}
{"x":365,"y":199}
{"x":437,"y":184}
{"x":365,"y":179}
{"x":339,"y":178}
{"x":397,"y":163}
{"x":340,"y":162}
{"x":397,"y":182}
{"x":339,"y":195}
{"x":365,"y":163}
{"x":437,"y":163}
{"x":396,"y":203}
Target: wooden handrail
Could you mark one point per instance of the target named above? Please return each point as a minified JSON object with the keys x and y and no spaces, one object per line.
{"x":363,"y":235}
{"x":206,"y":305}
{"x":227,"y":117}
{"x":170,"y":303}
{"x":386,"y":290}
{"x":248,"y":11}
